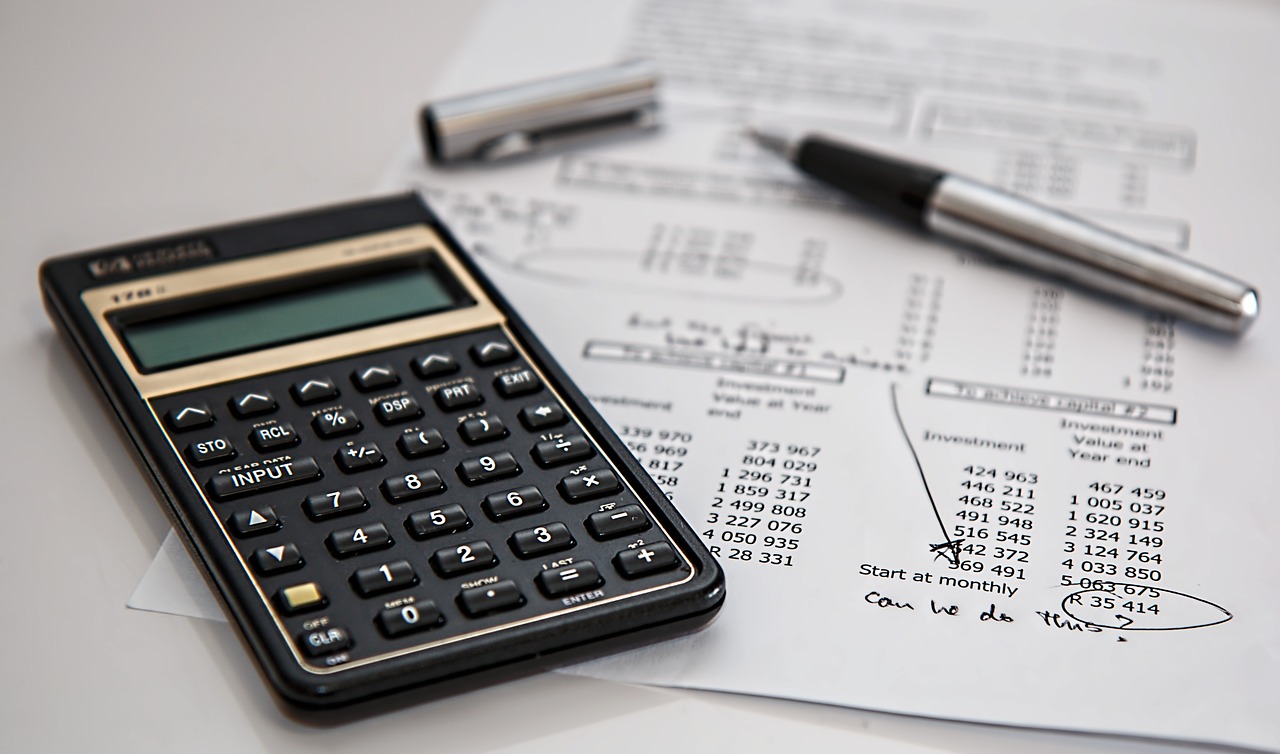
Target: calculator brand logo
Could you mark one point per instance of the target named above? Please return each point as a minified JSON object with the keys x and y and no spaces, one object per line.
{"x":149,"y":260}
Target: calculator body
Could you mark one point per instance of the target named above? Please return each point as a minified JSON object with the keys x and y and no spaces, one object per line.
{"x":382,"y":472}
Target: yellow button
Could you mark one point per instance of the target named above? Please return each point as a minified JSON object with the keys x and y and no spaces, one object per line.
{"x":301,"y":596}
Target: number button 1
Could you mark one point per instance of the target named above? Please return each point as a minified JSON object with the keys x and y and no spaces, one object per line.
{"x":387,"y":577}
{"x":472,"y":556}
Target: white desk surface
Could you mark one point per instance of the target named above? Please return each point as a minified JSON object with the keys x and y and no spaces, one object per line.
{"x":129,"y":119}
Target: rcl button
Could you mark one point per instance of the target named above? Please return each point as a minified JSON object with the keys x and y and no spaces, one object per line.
{"x":326,"y":641}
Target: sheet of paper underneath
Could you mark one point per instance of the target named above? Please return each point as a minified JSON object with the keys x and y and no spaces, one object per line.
{"x":938,"y":486}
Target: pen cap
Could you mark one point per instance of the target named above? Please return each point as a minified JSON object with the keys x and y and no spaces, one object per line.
{"x":539,"y":115}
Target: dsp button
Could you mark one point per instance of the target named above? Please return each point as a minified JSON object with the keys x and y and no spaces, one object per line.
{"x":616,"y":522}
{"x":274,"y":436}
{"x":234,"y":484}
{"x":190,"y":417}
{"x":521,"y":382}
{"x":395,"y":410}
{"x":324,"y":641}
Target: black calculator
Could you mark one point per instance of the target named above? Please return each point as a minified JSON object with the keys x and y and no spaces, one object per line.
{"x":384,"y":475}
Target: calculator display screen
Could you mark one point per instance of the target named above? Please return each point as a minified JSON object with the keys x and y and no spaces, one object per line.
{"x":279,"y":317}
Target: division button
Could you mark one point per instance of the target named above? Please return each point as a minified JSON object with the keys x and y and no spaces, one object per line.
{"x":375,"y":377}
{"x":618,"y":521}
{"x":447,"y":519}
{"x":539,"y":540}
{"x":194,"y":416}
{"x":406,"y":619}
{"x":487,"y":468}
{"x":424,"y":442}
{"x":472,"y":556}
{"x":521,"y":382}
{"x":253,"y":403}
{"x":518,"y":502}
{"x":388,"y":577}
{"x":209,"y":451}
{"x":253,"y":522}
{"x":492,"y":352}
{"x":434,"y":365}
{"x":396,"y":410}
{"x":635,"y":562}
{"x":542,"y":415}
{"x":565,"y":449}
{"x":324,"y":641}
{"x":569,"y":579}
{"x":353,"y":458}
{"x":588,"y":485}
{"x":358,"y":539}
{"x":461,"y":395}
{"x":314,"y":390}
{"x":489,"y":598}
{"x":276,"y":559}
{"x":336,"y":423}
{"x":336,"y":503}
{"x":411,"y":486}
{"x":480,"y":429}
{"x":301,"y":597}
{"x":264,"y":477}
{"x":274,"y":436}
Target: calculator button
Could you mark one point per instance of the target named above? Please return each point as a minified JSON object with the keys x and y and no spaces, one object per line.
{"x":190,"y":417}
{"x":424,"y":442}
{"x":482,"y":429}
{"x":568,"y":579}
{"x":521,"y":382}
{"x":462,"y":395}
{"x":539,"y":540}
{"x":274,"y":436}
{"x":375,"y":377}
{"x":566,"y":449}
{"x":276,"y":559}
{"x":616,"y":522}
{"x":635,"y":562}
{"x":490,"y":598}
{"x":301,"y":597}
{"x":353,"y":458}
{"x":314,"y":391}
{"x":492,"y":352}
{"x":407,"y":619}
{"x":412,"y":486}
{"x":336,"y":503}
{"x":542,"y":415}
{"x":209,"y":451}
{"x":434,"y":365}
{"x":486,"y":468}
{"x":358,"y":539}
{"x":471,"y":556}
{"x":253,"y":522}
{"x":336,"y":423}
{"x":447,"y":519}
{"x":518,"y":502}
{"x":387,"y":577}
{"x":265,"y":477}
{"x":589,"y":484}
{"x":324,"y":641}
{"x":255,"y":403}
{"x":396,"y":410}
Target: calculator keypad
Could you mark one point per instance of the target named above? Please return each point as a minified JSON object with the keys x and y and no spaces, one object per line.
{"x":443,"y":489}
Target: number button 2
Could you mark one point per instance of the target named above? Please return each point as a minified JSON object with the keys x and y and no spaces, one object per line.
{"x":471,"y":556}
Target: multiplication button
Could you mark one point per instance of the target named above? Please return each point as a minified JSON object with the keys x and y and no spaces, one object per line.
{"x":588,"y":485}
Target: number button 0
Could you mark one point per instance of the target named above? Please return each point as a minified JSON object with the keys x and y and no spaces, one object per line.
{"x":407,"y":619}
{"x":471,"y":556}
{"x":358,"y":539}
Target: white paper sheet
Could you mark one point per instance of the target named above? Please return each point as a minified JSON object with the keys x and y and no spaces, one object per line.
{"x":831,"y":400}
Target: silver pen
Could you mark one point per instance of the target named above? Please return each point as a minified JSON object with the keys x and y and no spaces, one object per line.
{"x":1022,"y":231}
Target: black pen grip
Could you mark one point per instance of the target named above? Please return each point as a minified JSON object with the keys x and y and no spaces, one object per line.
{"x":895,"y":186}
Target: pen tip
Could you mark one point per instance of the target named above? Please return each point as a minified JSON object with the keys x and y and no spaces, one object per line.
{"x":773,"y":140}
